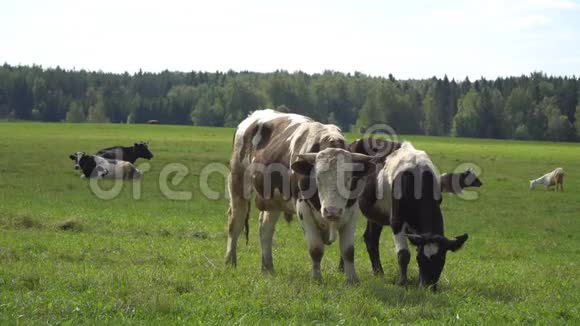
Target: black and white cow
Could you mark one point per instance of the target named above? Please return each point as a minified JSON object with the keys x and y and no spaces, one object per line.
{"x":94,"y":166}
{"x":456,"y":182}
{"x":129,"y":154}
{"x":295,"y":165}
{"x":75,"y":157}
{"x":406,"y":194}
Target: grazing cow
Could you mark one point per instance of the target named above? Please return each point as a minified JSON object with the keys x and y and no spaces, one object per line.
{"x":456,"y":182}
{"x":129,"y":154}
{"x":94,"y":166}
{"x":295,"y":165}
{"x":554,"y":178}
{"x":406,"y":195}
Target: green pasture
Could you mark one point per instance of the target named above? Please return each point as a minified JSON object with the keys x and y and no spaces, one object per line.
{"x":69,"y":257}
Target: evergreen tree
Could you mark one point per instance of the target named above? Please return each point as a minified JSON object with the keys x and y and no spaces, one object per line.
{"x":432,"y":124}
{"x":467,"y":122}
{"x":22,"y":99}
{"x":97,"y":113}
{"x":524,"y":107}
{"x":75,"y":113}
{"x":577,"y":122}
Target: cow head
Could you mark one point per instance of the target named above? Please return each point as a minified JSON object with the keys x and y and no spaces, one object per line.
{"x":431,"y":252}
{"x":470,"y":179}
{"x":76,"y":158}
{"x":142,"y":150}
{"x":335,"y":173}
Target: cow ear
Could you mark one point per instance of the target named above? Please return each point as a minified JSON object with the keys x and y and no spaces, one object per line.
{"x":72,"y":157}
{"x":302,"y":167}
{"x":456,"y":243}
{"x":416,"y":239}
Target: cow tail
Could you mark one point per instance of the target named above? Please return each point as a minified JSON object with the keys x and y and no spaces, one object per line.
{"x":247,"y":224}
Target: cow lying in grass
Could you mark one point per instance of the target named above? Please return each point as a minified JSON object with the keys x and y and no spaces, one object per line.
{"x":554,"y":178}
{"x":456,"y":182}
{"x":406,"y":194}
{"x":94,"y":166}
{"x":129,"y":154}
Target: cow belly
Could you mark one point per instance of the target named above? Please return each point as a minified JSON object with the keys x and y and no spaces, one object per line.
{"x":380,"y":210}
{"x":379,"y":213}
{"x":277,"y":203}
{"x":116,"y":171}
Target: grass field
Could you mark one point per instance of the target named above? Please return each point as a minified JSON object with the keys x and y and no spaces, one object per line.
{"x":69,"y":257}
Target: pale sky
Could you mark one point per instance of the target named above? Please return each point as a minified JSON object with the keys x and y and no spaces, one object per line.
{"x":410,"y":39}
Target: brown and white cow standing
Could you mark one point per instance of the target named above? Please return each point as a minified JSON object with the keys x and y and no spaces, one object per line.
{"x":295,"y":165}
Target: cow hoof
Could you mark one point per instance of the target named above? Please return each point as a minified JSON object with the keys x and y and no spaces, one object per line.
{"x":379,"y":272}
{"x":231,"y":261}
{"x":317,"y":278}
{"x":267,"y":266}
{"x":268,"y":269}
{"x":353,"y":280}
{"x":402,"y":282}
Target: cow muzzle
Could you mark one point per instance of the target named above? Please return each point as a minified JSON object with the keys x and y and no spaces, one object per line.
{"x":332,"y":213}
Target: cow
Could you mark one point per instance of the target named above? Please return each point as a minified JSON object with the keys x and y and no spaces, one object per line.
{"x":153,"y":122}
{"x":405,"y":193}
{"x":76,"y":156}
{"x":295,"y":165}
{"x":554,"y":178}
{"x":456,"y":182}
{"x":94,"y":166}
{"x":129,"y":154}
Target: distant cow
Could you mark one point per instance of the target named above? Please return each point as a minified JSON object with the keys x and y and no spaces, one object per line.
{"x":129,"y":154}
{"x":554,"y":178}
{"x":406,"y":194}
{"x":456,"y":182}
{"x":94,"y":166}
{"x":153,"y":122}
{"x":295,"y":165}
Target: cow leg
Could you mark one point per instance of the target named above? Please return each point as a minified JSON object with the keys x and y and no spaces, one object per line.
{"x":403,"y":255}
{"x":346,"y":233}
{"x":268,"y":221}
{"x":313,"y":238}
{"x":237,"y":214}
{"x":372,"y":236}
{"x":236,"y":222}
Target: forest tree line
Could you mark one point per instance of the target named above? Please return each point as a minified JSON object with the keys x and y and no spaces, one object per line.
{"x":534,"y":106}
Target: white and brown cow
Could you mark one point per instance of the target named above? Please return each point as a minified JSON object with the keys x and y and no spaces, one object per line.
{"x":550,"y":179}
{"x":295,"y":165}
{"x":406,"y":194}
